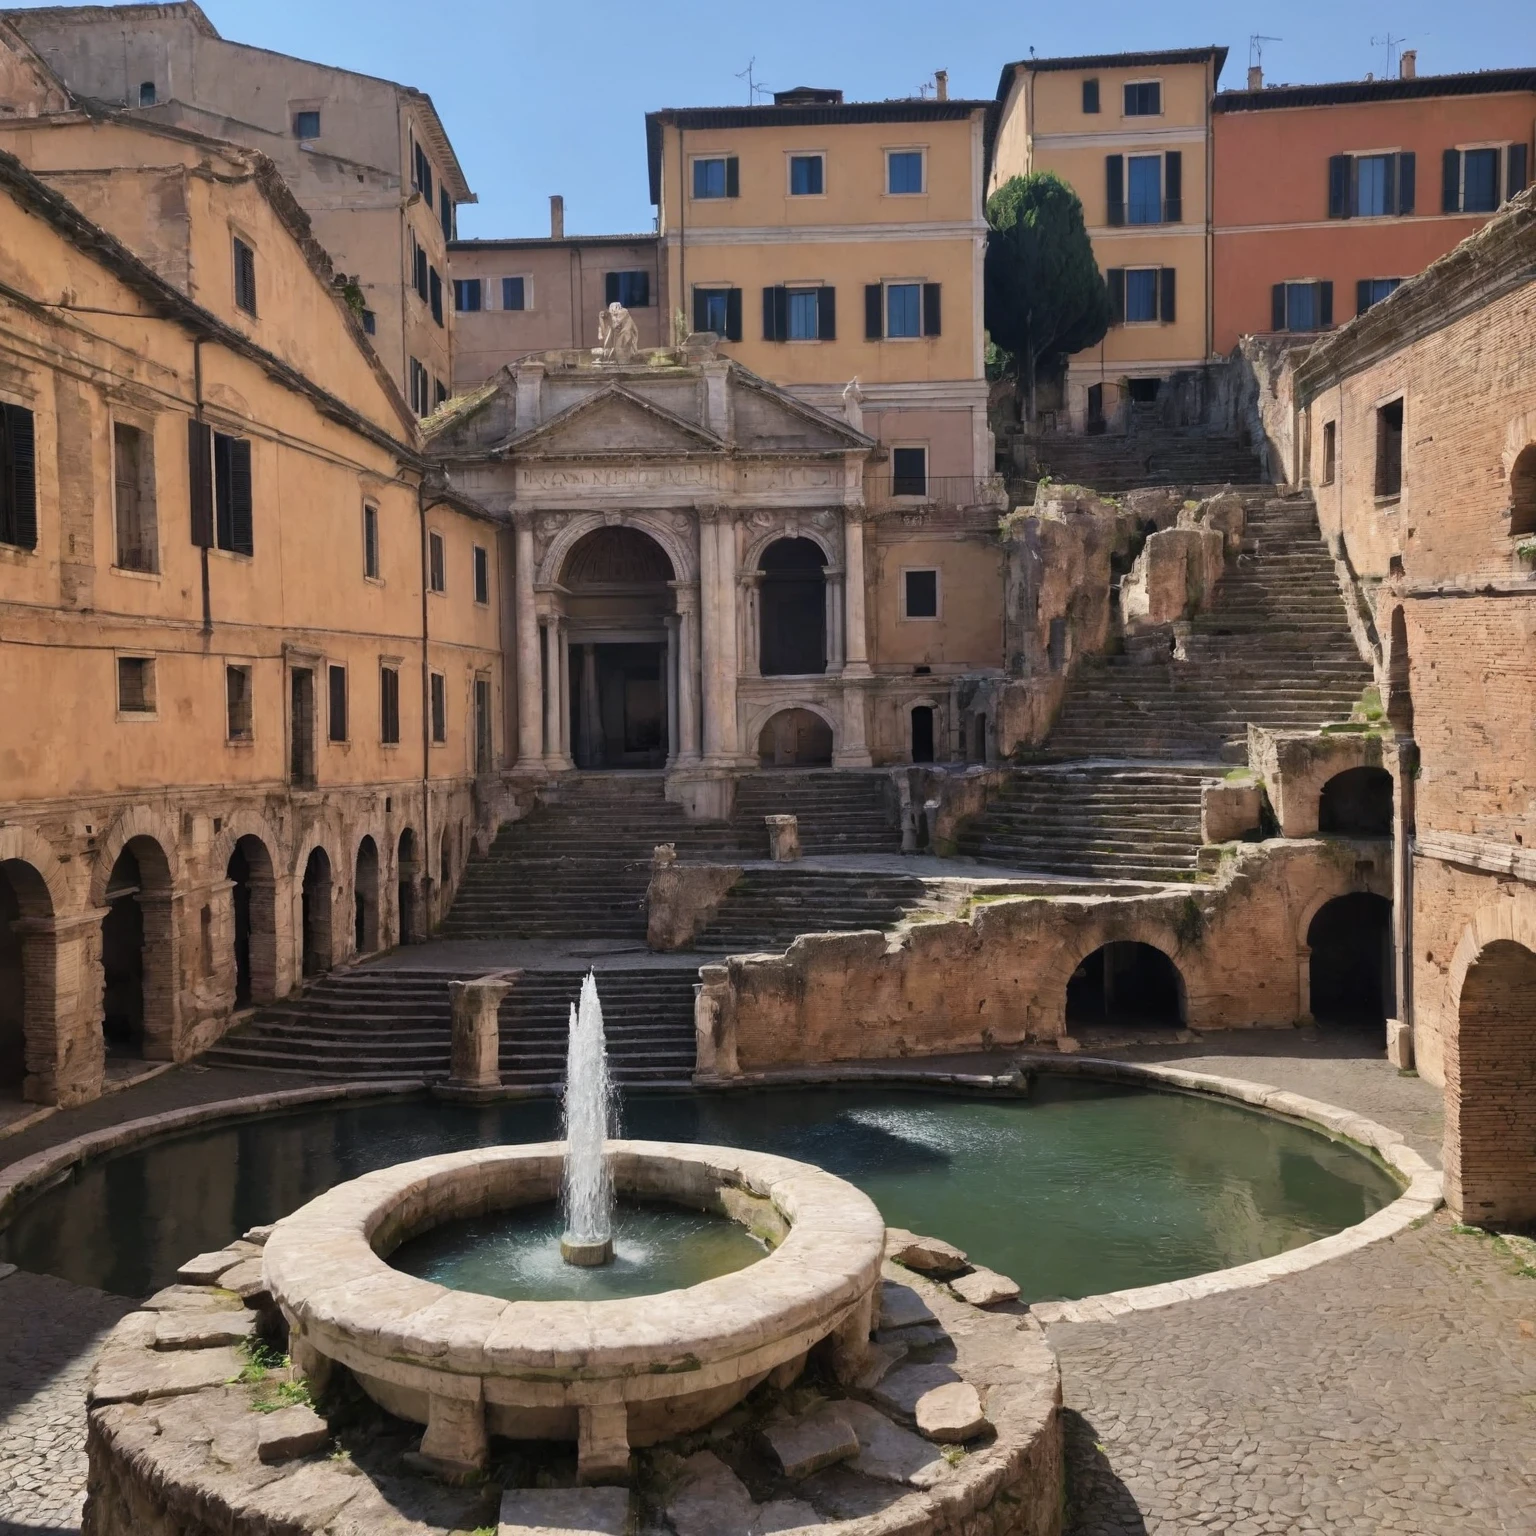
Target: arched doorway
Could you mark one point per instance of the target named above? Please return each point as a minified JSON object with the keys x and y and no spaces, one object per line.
{"x":405,"y":876}
{"x":922,"y":733}
{"x":254,"y":900}
{"x":617,"y":600}
{"x":1399,"y":704}
{"x":1129,"y":984}
{"x":1491,"y":1090}
{"x":23,"y":894}
{"x":795,"y":738}
{"x":1357,"y":803}
{"x":793,"y":609}
{"x":365,"y":898}
{"x":1522,"y":491}
{"x":1350,"y":968}
{"x":316,"y":901}
{"x":137,"y":959}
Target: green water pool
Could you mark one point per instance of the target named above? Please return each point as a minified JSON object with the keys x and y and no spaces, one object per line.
{"x":1080,"y":1187}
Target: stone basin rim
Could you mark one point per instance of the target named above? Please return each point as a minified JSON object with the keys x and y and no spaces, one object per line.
{"x":321,"y":1268}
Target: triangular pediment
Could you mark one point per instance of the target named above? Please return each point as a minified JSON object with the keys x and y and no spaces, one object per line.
{"x":614,"y":421}
{"x":770,"y":420}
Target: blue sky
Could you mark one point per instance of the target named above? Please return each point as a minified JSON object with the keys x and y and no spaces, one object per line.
{"x":551,"y":97}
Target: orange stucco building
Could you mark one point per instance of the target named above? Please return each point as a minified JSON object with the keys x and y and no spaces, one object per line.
{"x":1327,"y":196}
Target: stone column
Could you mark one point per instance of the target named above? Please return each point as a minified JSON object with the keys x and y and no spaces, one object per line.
{"x":717,"y":594}
{"x":554,"y":759}
{"x":688,"y":714}
{"x":161,"y":912}
{"x":853,"y":744}
{"x":455,"y":1441}
{"x":475,"y":1069}
{"x":591,"y":715}
{"x":673,"y":746}
{"x":834,"y":580}
{"x":61,"y":1025}
{"x":1400,"y":1029}
{"x":564,"y":645}
{"x":856,"y":655}
{"x":749,"y":627}
{"x":530,"y":743}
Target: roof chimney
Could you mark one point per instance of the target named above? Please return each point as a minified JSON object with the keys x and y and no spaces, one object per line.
{"x":941,"y":84}
{"x":1255,"y":77}
{"x":1408,"y":65}
{"x":557,"y":217}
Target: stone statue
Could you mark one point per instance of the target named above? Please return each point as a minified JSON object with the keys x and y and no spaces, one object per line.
{"x":853,"y":404}
{"x":618,"y":339}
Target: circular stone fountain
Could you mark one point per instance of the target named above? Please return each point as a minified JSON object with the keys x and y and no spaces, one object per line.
{"x":607,"y":1374}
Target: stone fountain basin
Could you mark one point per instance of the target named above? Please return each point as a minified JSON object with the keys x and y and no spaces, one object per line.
{"x":608,"y":1374}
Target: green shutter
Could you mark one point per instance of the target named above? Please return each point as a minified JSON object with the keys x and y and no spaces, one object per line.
{"x":733,"y":314}
{"x":1362,"y":295}
{"x":826,"y":314}
{"x":1516,"y":158}
{"x":1173,"y":187}
{"x":18,"y":477}
{"x":1277,"y":307}
{"x":933,"y":313}
{"x":1166,"y":303}
{"x":1450,"y":181}
{"x":874,"y":318}
{"x":200,"y":478}
{"x":240,"y":515}
{"x":1115,"y":278}
{"x":1406,"y":176}
{"x":611,"y":289}
{"x":1114,"y":186}
{"x":732,"y":176}
{"x":1325,"y":305}
{"x":1338,"y":186}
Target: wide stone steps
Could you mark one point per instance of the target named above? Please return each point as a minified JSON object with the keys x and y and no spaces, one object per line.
{"x":769,"y":909}
{"x":378,"y":1022}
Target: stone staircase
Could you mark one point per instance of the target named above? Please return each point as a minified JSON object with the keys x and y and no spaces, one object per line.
{"x":1150,"y":455}
{"x":840,"y":811}
{"x":770,"y":909}
{"x":382,"y":1022}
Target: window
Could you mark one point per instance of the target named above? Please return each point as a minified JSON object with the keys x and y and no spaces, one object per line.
{"x":482,"y":575}
{"x":466,"y":294}
{"x":1479,"y":181}
{"x":147,"y":93}
{"x":904,"y":172}
{"x":483,"y":725}
{"x":1370,"y":186}
{"x":437,"y":563}
{"x":807,"y":175}
{"x":439,"y":708}
{"x":435,"y":294}
{"x":1372,"y":290}
{"x":1305,"y":306}
{"x":420,"y":389}
{"x":306,"y":125}
{"x":1372,"y":182}
{"x":1330,"y":450}
{"x":445,"y":212}
{"x":237,"y":703}
{"x":1155,"y":184}
{"x":18,"y":477}
{"x":909,"y":471}
{"x":420,"y":271}
{"x":232,"y":494}
{"x":1145,"y":186}
{"x":370,"y":541}
{"x":439,"y":393}
{"x":421,"y":172}
{"x":337,"y":678}
{"x":631,"y":289}
{"x":1144,"y":98}
{"x":920,"y":594}
{"x":389,"y":706}
{"x":1090,"y":97}
{"x":370,"y":323}
{"x":1389,"y":449}
{"x":1522,"y":492}
{"x":513,"y":293}
{"x":799,"y":314}
{"x":133,"y":470}
{"x":245,"y":277}
{"x":1140,"y":294}
{"x":902,"y":310}
{"x":718,"y":310}
{"x":1472,"y":177}
{"x":717,"y":176}
{"x":135,"y":685}
{"x":301,"y":727}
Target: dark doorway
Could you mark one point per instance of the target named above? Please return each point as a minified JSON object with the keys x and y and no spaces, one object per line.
{"x":1129,"y":984}
{"x":23,"y":893}
{"x":122,"y":959}
{"x":619,"y":703}
{"x":1145,"y":391}
{"x":1095,"y":407}
{"x":795,"y":738}
{"x":922,"y":734}
{"x":1357,"y":803}
{"x":317,"y":913}
{"x":1351,"y":965}
{"x":365,"y":898}
{"x":301,"y":728}
{"x":793,"y":607}
{"x":239,"y":870}
{"x":405,"y":875}
{"x":254,"y":900}
{"x":979,"y":738}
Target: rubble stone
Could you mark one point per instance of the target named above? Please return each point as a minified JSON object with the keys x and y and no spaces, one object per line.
{"x":290,"y":1433}
{"x":951,"y":1412}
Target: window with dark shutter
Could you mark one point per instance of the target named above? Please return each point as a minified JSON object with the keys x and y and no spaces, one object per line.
{"x":719,"y":310}
{"x":245,"y":277}
{"x":232,"y":494}
{"x":1173,"y":187}
{"x":1114,"y":183}
{"x":338,"y":701}
{"x":437,"y":563}
{"x":733,"y":314}
{"x":466,"y":294}
{"x":389,"y":706}
{"x":439,"y":708}
{"x":732,"y":176}
{"x":1516,"y":159}
{"x":1144,"y":98}
{"x":874,"y":312}
{"x":200,"y":479}
{"x":1277,"y":307}
{"x":370,"y":541}
{"x":933,"y":314}
{"x":18,"y":477}
{"x":513,"y":294}
{"x":1338,"y":187}
{"x":1166,"y":299}
{"x":306,"y":125}
{"x":435,"y":289}
{"x":1407,"y":176}
{"x":775,"y":313}
{"x":445,"y":213}
{"x":631,"y":289}
{"x":1090,"y":96}
{"x":133,"y":475}
{"x":1450,"y":181}
{"x":1363,"y":299}
{"x":826,"y":314}
{"x":482,"y":575}
{"x":1115,"y":279}
{"x":1325,"y":304}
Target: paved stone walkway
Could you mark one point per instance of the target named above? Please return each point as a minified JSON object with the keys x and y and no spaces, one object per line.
{"x":1390,"y":1392}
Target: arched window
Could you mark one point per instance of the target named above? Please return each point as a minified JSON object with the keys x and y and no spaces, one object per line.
{"x":1522,"y":492}
{"x":793,"y":608}
{"x":317,"y":913}
{"x":365,"y":893}
{"x":1357,"y":803}
{"x":1128,"y":984}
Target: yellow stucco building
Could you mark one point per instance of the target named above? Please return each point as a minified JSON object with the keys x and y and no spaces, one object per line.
{"x":1131,"y":133}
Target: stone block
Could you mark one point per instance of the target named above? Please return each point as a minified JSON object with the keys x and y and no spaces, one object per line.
{"x":891,"y":1453}
{"x":880,"y":1359}
{"x":783,"y":838}
{"x":681,"y":899}
{"x":203,"y":1328}
{"x":1173,"y":578}
{"x":902,"y":1307}
{"x":290,"y":1433}
{"x":182,"y":1298}
{"x":1400,"y":1044}
{"x":132,"y":1374}
{"x":927,"y":1255}
{"x":951,"y":1413}
{"x":455,"y":1441}
{"x":985,"y":1288}
{"x":564,"y":1512}
{"x":907,"y":1384}
{"x":207,"y":1268}
{"x":475,"y":1060}
{"x":712,"y":1501}
{"x":602,"y":1444}
{"x":808,"y":1444}
{"x":245,"y":1279}
{"x":1229,"y":809}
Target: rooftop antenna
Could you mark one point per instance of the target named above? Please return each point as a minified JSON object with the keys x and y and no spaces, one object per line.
{"x":755,"y":88}
{"x":1393,"y":45}
{"x":1256,"y":43}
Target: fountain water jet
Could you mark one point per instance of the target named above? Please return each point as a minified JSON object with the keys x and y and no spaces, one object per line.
{"x":589,"y":1115}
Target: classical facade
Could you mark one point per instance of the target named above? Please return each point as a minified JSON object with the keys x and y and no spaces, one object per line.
{"x":1417,"y":433}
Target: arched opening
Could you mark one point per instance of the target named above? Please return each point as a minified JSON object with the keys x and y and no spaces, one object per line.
{"x":979,"y":739}
{"x":254,"y":900}
{"x":617,"y":601}
{"x":316,"y":902}
{"x":1357,"y":803}
{"x":137,"y":961}
{"x":792,"y":607}
{"x":922,"y":733}
{"x":1350,"y":968}
{"x":445,"y":860}
{"x":795,"y":738}
{"x":23,"y":895}
{"x":1491,"y":1091}
{"x":1522,"y":492}
{"x":1399,"y":679}
{"x":365,"y":898}
{"x":1129,"y":984}
{"x":405,"y":875}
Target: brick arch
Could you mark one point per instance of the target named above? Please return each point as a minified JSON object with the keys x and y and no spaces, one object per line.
{"x":139,"y":821}
{"x":244,"y":824}
{"x":678,"y":545}
{"x":26,"y":847}
{"x":1095,"y":934}
{"x":756,"y":722}
{"x":1511,"y":918}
